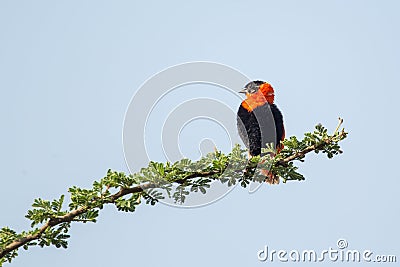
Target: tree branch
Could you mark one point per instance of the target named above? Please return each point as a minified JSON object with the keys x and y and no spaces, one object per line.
{"x":131,"y":185}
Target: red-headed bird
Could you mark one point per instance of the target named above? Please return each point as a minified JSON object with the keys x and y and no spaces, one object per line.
{"x":259,"y":120}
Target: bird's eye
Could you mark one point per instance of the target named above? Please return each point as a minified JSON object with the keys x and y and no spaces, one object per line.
{"x":253,"y":89}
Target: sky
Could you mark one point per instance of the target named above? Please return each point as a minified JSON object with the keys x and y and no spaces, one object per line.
{"x":69,"y":70}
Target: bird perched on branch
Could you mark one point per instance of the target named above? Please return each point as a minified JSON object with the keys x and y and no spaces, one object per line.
{"x":260,"y":122}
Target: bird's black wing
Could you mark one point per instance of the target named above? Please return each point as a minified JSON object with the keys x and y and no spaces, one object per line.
{"x":278,"y":119}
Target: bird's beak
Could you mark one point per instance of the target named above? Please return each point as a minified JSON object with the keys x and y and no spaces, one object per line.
{"x":243,"y":91}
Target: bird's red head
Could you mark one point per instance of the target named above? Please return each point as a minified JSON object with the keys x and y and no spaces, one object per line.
{"x":257,"y":94}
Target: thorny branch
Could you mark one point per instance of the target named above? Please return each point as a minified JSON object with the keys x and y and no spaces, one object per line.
{"x":74,"y":214}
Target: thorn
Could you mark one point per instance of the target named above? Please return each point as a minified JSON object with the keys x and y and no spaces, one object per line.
{"x":337,"y":128}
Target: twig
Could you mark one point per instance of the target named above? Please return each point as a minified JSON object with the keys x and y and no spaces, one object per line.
{"x":300,"y":154}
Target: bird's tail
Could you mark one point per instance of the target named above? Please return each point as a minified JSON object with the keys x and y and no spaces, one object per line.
{"x":271,"y":178}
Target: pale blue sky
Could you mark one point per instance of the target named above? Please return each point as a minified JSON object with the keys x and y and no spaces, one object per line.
{"x":69,"y":69}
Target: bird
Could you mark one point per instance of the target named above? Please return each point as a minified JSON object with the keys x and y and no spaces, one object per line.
{"x":260,"y":122}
